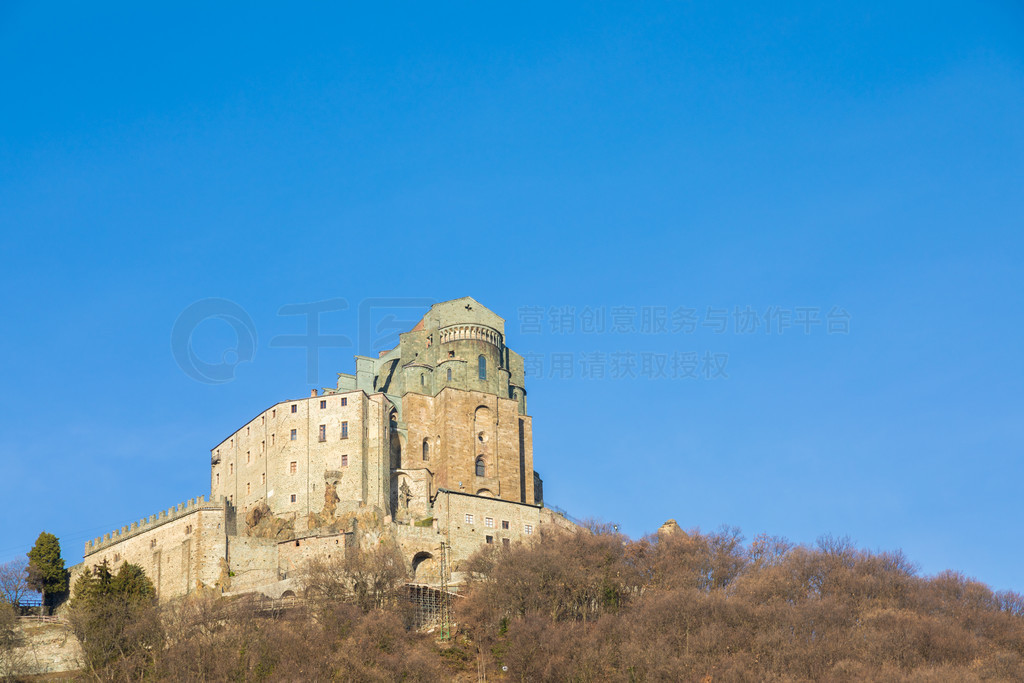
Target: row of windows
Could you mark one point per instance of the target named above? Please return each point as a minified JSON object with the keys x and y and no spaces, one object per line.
{"x":293,"y":436}
{"x":322,"y":434}
{"x":273,"y":414}
{"x":323,"y":404}
{"x":489,"y":523}
{"x":481,"y":464}
{"x":293,"y":468}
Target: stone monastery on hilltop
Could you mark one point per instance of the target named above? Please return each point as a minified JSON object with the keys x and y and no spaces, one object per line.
{"x":428,"y":443}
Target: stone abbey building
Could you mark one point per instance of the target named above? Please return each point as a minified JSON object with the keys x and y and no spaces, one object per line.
{"x":428,"y":443}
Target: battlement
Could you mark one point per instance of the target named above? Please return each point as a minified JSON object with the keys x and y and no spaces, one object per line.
{"x":180,"y":510}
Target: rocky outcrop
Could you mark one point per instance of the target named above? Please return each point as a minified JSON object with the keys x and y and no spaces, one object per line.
{"x":260,"y":522}
{"x":669,"y":528}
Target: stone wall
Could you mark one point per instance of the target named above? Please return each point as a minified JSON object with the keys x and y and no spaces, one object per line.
{"x":462,"y":426}
{"x":263,"y":565}
{"x":179,"y":551}
{"x":468,"y":521}
{"x":264,"y":462}
{"x":44,"y":650}
{"x":252,"y":562}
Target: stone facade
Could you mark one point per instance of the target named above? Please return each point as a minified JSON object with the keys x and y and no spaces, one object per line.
{"x":178,"y":548}
{"x":428,"y":443}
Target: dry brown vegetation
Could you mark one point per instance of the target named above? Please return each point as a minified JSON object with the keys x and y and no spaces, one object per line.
{"x":690,"y":605}
{"x":599,"y":606}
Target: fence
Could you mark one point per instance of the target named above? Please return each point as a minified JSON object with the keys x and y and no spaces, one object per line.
{"x":563,"y":513}
{"x":41,"y":618}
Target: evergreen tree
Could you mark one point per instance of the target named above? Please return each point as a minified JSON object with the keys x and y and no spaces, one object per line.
{"x":115,"y":615}
{"x":46,"y":572}
{"x":130,"y":584}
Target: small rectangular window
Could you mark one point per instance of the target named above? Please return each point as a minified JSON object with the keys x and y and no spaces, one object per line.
{"x":528,"y":528}
{"x":272,"y":439}
{"x":344,"y":402}
{"x":231,"y":468}
{"x":490,"y":539}
{"x":504,"y":542}
{"x":263,"y":478}
{"x":294,"y":434}
{"x":263,"y":419}
{"x":247,"y":431}
{"x":293,"y":497}
{"x":344,"y":461}
{"x":216,"y":478}
{"x":469,"y":518}
{"x":293,"y":467}
{"x":295,"y":407}
{"x":504,"y":524}
{"x":323,"y":433}
{"x":344,"y":430}
{"x":248,"y":457}
{"x":273,"y":413}
{"x":263,"y":446}
{"x":489,"y":522}
{"x":323,"y":405}
{"x":248,"y":488}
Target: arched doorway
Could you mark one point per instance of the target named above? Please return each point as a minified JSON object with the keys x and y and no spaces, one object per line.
{"x":424,"y":568}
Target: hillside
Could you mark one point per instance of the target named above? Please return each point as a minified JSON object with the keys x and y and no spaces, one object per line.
{"x":595,"y":606}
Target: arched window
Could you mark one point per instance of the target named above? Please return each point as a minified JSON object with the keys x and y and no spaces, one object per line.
{"x":482,"y":366}
{"x":481,"y":469}
{"x":426,"y":450}
{"x":449,"y":374}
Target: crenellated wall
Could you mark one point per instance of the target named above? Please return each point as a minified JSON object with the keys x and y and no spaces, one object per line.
{"x":180,"y":549}
{"x":146,"y":523}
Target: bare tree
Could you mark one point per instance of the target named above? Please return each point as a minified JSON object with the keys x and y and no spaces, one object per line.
{"x":9,"y":641}
{"x":372,"y":578}
{"x":14,"y":581}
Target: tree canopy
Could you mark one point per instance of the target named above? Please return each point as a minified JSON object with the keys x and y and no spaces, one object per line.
{"x":129,"y":584}
{"x":46,"y":572}
{"x":114,"y":615}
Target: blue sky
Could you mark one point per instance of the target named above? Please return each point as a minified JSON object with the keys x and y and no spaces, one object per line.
{"x":865,"y":161}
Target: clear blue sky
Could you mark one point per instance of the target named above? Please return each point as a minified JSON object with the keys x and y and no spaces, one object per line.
{"x":865,"y":159}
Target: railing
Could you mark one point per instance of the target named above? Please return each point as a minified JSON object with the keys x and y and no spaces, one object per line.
{"x":563,"y":513}
{"x":42,"y":618}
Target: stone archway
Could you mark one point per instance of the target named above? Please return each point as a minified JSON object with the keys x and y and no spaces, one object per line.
{"x":424,"y":568}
